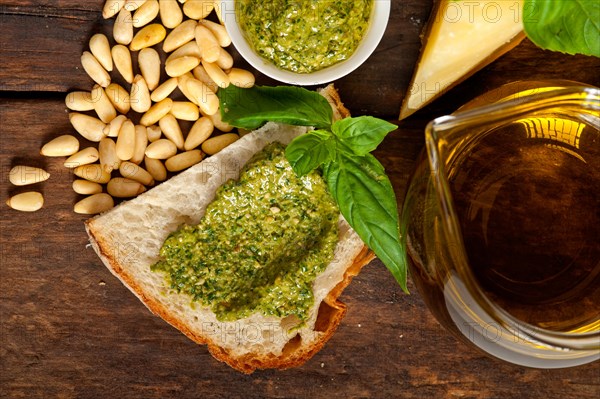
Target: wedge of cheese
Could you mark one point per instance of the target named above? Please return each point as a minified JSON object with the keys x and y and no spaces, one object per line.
{"x":461,"y":37}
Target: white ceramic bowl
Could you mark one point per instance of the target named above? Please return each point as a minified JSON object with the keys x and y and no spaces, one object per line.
{"x":377,"y":25}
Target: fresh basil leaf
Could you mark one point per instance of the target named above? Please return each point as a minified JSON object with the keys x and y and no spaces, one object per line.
{"x":309,"y":151}
{"x":363,"y":134}
{"x":568,"y":26}
{"x":252,"y":108}
{"x":366,"y":198}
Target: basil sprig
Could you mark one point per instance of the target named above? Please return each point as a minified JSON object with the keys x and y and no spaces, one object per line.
{"x":356,"y":180}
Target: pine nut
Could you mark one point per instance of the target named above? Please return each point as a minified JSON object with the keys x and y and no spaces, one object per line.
{"x":148,"y":36}
{"x":123,"y":27}
{"x":180,"y":66}
{"x":119,"y":97}
{"x":218,"y":143}
{"x":89,"y":127}
{"x":241,"y":78}
{"x":94,"y":70}
{"x":154,"y":133}
{"x":62,"y":146}
{"x":179,"y":36}
{"x":126,"y":141}
{"x":85,"y":187}
{"x":122,"y":60}
{"x":94,"y":204}
{"x":149,"y":63}
{"x":112,"y":8}
{"x":200,"y":131}
{"x":141,"y":142}
{"x":218,"y":9}
{"x":219,"y":31}
{"x":93,"y":172}
{"x":225,"y":61}
{"x":161,"y":149}
{"x":102,"y":105}
{"x":164,"y":90}
{"x":121,"y":187}
{"x":182,"y":85}
{"x":208,"y":44}
{"x":140,"y":95}
{"x":170,"y":128}
{"x":107,"y":152}
{"x":26,"y":202}
{"x":79,"y":101}
{"x":132,"y":171}
{"x":198,"y":9}
{"x":206,"y":99}
{"x":185,"y":111}
{"x":145,"y":13}
{"x":219,"y":124}
{"x":170,"y":13}
{"x":216,"y":74}
{"x":190,"y":49}
{"x":156,"y":168}
{"x":22,"y":175}
{"x":156,"y":112}
{"x":112,"y":129}
{"x":84,"y":157}
{"x":133,"y":5}
{"x":183,"y":161}
{"x":200,"y":74}
{"x":100,"y":48}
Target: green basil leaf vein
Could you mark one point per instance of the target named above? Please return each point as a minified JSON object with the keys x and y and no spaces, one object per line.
{"x":252,"y":108}
{"x":309,"y":151}
{"x":362,"y":134}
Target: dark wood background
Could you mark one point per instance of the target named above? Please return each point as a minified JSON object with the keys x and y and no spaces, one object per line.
{"x":69,"y":329}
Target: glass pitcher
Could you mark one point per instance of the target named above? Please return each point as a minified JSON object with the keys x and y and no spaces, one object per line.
{"x":501,"y":223}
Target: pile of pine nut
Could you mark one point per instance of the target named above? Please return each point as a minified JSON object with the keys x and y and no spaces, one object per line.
{"x":132,"y":156}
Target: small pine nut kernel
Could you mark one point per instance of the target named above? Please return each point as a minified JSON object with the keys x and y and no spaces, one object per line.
{"x":171,"y":129}
{"x":208,"y":44}
{"x":145,"y":13}
{"x":225,"y":61}
{"x":121,"y":187}
{"x":85,"y":187}
{"x":123,"y":27}
{"x":185,"y":111}
{"x":156,"y":168}
{"x":182,"y":82}
{"x":190,"y":49}
{"x":164,"y":90}
{"x":184,"y":160}
{"x":112,"y":129}
{"x":179,"y":36}
{"x":112,"y":8}
{"x":122,"y":60}
{"x":219,"y":31}
{"x":84,"y":157}
{"x":200,"y":131}
{"x":93,"y":172}
{"x":216,"y":74}
{"x":107,"y":152}
{"x":62,"y":146}
{"x":206,"y":99}
{"x":100,"y":48}
{"x":119,"y":97}
{"x":218,"y":10}
{"x":26,"y":202}
{"x":132,"y":171}
{"x":94,"y":204}
{"x":198,"y":9}
{"x":180,"y":66}
{"x":200,"y":74}
{"x":94,"y":70}
{"x":89,"y":127}
{"x":149,"y":63}
{"x":154,"y":133}
{"x":219,"y":124}
{"x":141,"y":142}
{"x":156,"y":112}
{"x":133,"y":5}
{"x":79,"y":101}
{"x":170,"y":13}
{"x":102,"y":105}
{"x":148,"y":36}
{"x":241,"y":78}
{"x":126,"y":141}
{"x":140,"y":95}
{"x":161,"y":149}
{"x":218,"y":143}
{"x":22,"y":175}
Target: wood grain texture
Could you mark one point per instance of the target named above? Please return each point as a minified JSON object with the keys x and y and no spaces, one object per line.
{"x":69,"y":329}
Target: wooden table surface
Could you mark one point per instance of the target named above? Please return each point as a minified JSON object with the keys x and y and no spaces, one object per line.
{"x":69,"y":329}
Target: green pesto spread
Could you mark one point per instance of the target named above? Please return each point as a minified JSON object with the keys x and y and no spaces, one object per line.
{"x":260,"y":244}
{"x":304,"y":36}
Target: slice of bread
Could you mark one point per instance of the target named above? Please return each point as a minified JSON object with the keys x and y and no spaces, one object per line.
{"x":128,"y":239}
